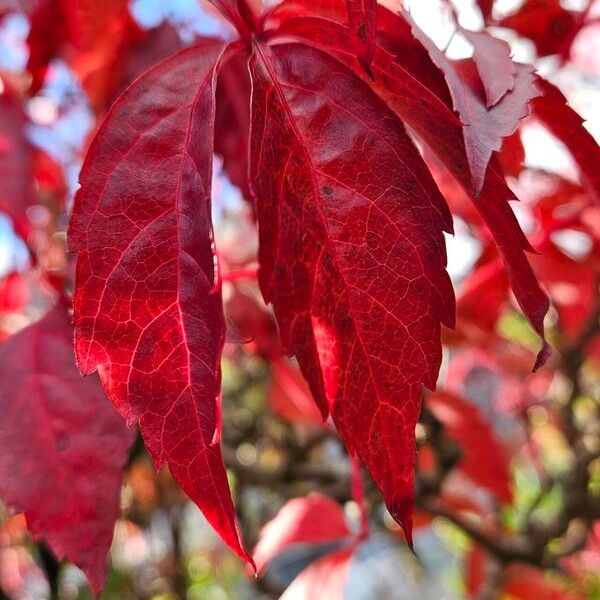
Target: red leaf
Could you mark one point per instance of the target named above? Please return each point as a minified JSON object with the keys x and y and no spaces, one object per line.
{"x":486,"y":6}
{"x":362,"y":19}
{"x":352,"y":253}
{"x":325,"y":578}
{"x":496,"y":69}
{"x":314,"y":519}
{"x":567,"y":126}
{"x":290,"y":395}
{"x":528,"y":583}
{"x":15,"y":162}
{"x":572,"y":286}
{"x":51,"y":23}
{"x":520,"y":581}
{"x":148,"y":308}
{"x":484,"y":292}
{"x":240,"y":13}
{"x":512,"y":155}
{"x":92,"y":35}
{"x":465,"y":424}
{"x":253,"y":325}
{"x":14,"y":292}
{"x":63,"y":445}
{"x":547,"y":24}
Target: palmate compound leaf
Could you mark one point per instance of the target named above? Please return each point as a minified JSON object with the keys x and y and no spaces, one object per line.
{"x":63,"y":445}
{"x":352,"y":253}
{"x":148,"y":307}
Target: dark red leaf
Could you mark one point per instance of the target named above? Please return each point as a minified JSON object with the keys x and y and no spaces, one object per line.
{"x":147,"y":49}
{"x":252,"y":325}
{"x":16,"y":191}
{"x":93,"y":36}
{"x":325,"y":578}
{"x":290,"y":395}
{"x":485,"y":6}
{"x":512,"y":155}
{"x":313,"y":519}
{"x":240,"y":13}
{"x":465,"y":424}
{"x":528,"y":583}
{"x":14,"y":292}
{"x":362,"y":19}
{"x":233,"y":121}
{"x":352,"y":253}
{"x":63,"y":445}
{"x":572,"y":286}
{"x":547,"y":24}
{"x":51,"y":23}
{"x":148,"y":308}
{"x":483,"y":294}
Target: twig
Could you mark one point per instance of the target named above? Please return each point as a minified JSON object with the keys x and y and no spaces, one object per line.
{"x":358,"y":493}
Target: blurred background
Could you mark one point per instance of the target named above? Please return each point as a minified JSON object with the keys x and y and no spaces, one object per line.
{"x":504,"y":454}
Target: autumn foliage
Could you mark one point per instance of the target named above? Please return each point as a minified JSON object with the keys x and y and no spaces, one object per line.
{"x":360,"y":146}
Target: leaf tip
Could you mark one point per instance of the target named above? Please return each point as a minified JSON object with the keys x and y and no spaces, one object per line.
{"x":542,"y":357}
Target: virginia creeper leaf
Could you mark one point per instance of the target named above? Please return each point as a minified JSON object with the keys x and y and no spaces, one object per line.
{"x":232,"y":124}
{"x":16,"y":190}
{"x":148,"y":308}
{"x":362,"y":18}
{"x":483,"y":293}
{"x":465,"y":424}
{"x":485,"y":6}
{"x":325,"y":578}
{"x":313,"y":519}
{"x":92,"y":35}
{"x":352,"y":253}
{"x":63,"y":445}
{"x":566,"y":125}
{"x":290,"y":396}
{"x":549,"y":25}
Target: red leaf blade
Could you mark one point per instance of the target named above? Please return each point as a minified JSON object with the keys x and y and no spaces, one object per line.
{"x":148,"y":307}
{"x":350,"y":240}
{"x":325,"y":578}
{"x":63,"y":445}
{"x":316,"y":518}
{"x":465,"y":424}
